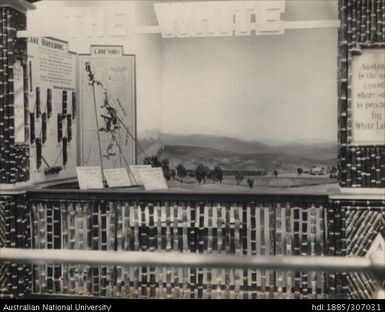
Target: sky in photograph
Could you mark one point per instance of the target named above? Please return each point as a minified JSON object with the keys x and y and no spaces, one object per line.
{"x":255,"y":88}
{"x":266,"y":88}
{"x":271,"y":87}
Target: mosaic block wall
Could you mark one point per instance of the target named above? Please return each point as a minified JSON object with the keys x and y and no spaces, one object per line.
{"x":208,"y":227}
{"x":14,"y":156}
{"x":337,"y":247}
{"x":15,"y":280}
{"x":362,"y":26}
{"x":356,"y":225}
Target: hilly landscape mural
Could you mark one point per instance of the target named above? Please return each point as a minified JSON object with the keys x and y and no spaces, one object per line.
{"x":218,"y":163}
{"x":236,"y":154}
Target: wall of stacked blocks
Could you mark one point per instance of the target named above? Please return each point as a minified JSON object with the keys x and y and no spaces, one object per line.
{"x":199,"y":223}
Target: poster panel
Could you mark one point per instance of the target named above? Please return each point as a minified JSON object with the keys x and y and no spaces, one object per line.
{"x":107,"y":107}
{"x":368,"y":97}
{"x":52,"y":109}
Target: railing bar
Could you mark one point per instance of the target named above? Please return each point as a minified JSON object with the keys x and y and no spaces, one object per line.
{"x":139,"y":195}
{"x":93,"y":257}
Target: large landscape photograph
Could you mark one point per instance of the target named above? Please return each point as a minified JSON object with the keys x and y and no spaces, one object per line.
{"x":222,"y":163}
{"x":242,"y":113}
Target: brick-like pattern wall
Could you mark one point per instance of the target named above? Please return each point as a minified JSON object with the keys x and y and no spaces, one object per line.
{"x":14,"y":157}
{"x":15,"y":280}
{"x":362,"y":26}
{"x":336,"y":237}
{"x":208,"y":226}
{"x":353,"y":226}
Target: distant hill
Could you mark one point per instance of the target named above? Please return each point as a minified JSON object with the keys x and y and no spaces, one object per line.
{"x":232,"y":153}
{"x":217,"y":142}
{"x":322,"y":151}
{"x":191,"y":156}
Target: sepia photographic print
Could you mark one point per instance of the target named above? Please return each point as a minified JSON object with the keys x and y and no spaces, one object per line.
{"x":192,"y":150}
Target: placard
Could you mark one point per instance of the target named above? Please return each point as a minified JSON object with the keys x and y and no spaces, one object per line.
{"x":117,"y":177}
{"x":106,"y":50}
{"x":153,"y":179}
{"x":90,"y":178}
{"x":368,"y":97}
{"x":136,"y":179}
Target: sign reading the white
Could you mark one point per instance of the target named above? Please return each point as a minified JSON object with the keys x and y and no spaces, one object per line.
{"x":96,"y":20}
{"x":117,"y":177}
{"x":135,"y":173}
{"x":106,"y":51}
{"x":220,"y":18}
{"x":368,"y":97}
{"x":90,"y":178}
{"x":153,"y":179}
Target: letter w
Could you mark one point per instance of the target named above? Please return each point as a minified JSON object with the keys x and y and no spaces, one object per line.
{"x":174,"y":19}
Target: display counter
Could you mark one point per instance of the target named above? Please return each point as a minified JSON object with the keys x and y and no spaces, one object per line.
{"x":179,"y":221}
{"x":131,"y":219}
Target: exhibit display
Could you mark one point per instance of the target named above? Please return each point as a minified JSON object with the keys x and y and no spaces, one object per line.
{"x":192,"y":150}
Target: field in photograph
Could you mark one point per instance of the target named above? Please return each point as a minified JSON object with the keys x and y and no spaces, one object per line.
{"x":287,"y":183}
{"x":256,"y":160}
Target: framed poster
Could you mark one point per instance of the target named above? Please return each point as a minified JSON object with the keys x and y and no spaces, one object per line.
{"x":52,"y":109}
{"x":108,"y":108}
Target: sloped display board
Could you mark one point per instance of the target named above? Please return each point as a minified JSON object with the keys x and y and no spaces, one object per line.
{"x":52,"y":110}
{"x":107,"y":90}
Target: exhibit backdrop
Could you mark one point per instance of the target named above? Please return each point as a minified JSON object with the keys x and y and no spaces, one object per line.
{"x":107,"y":101}
{"x":52,"y":110}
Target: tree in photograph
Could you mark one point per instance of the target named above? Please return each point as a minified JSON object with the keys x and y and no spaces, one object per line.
{"x":165,"y":164}
{"x":299,"y":170}
{"x":173,"y":173}
{"x":333,"y":172}
{"x":199,"y":178}
{"x":206,"y":171}
{"x":218,"y":173}
{"x":166,"y":169}
{"x":181,"y":172}
{"x":201,"y":173}
{"x":211,"y":175}
{"x":239,"y":177}
{"x":153,"y":161}
{"x":167,"y":175}
{"x":275,"y":173}
{"x":250,"y":182}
